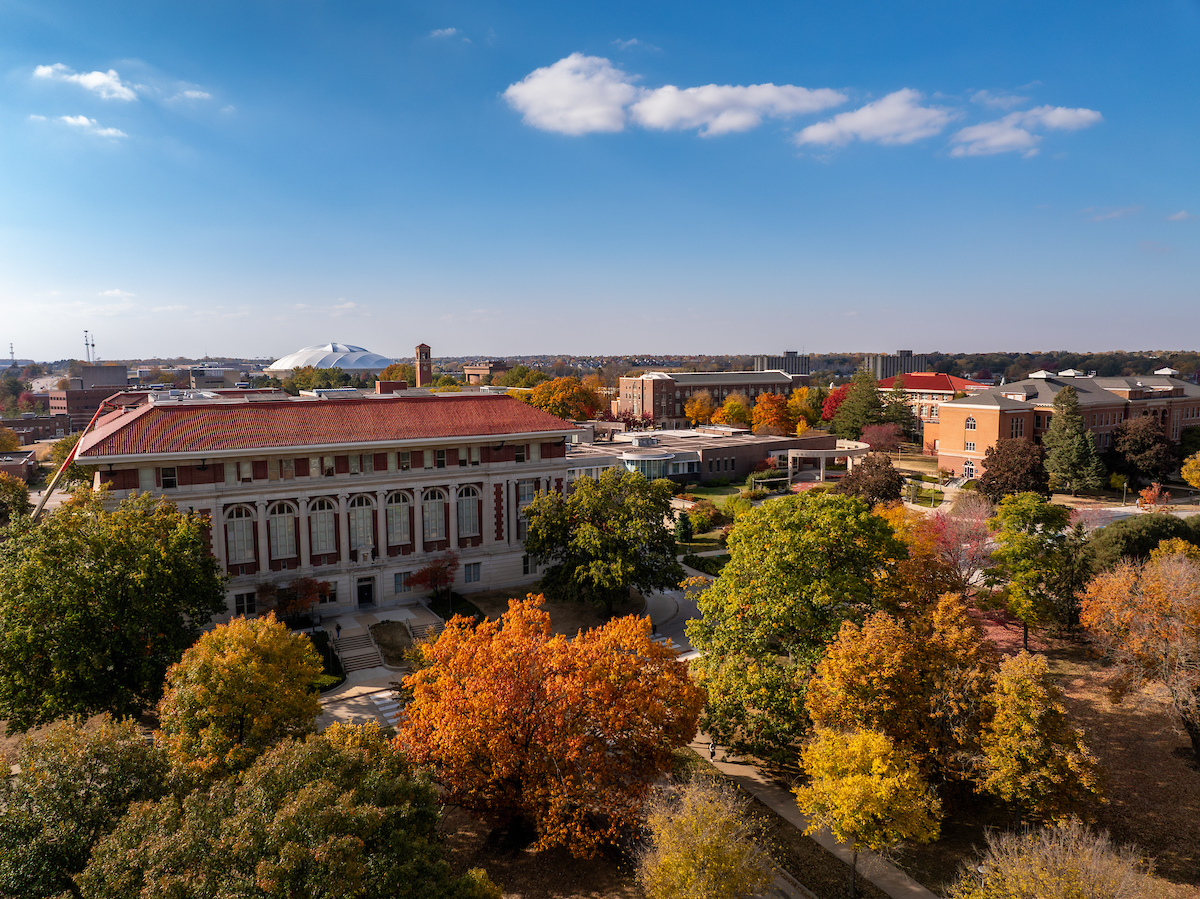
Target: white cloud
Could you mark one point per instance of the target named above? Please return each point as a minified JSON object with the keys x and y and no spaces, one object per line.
{"x":1095,"y":214}
{"x":898,"y":118}
{"x":584,"y":94}
{"x":192,"y":95}
{"x":631,"y":43}
{"x":91,"y":126}
{"x":723,"y":108}
{"x":1181,"y":216}
{"x":576,"y":95}
{"x":106,"y":84}
{"x":443,"y":32}
{"x":115,"y":293}
{"x":1015,"y":132}
{"x":997,"y":101}
{"x":37,"y":118}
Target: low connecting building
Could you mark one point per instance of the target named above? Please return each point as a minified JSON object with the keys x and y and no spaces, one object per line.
{"x":967,"y":427}
{"x":359,"y":492}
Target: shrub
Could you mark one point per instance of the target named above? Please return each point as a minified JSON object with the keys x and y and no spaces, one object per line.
{"x":753,"y":495}
{"x":1135,"y":537}
{"x":710,"y":565}
{"x":718,"y":482}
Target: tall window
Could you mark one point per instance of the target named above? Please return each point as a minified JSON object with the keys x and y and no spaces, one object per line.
{"x":362,"y":534}
{"x":398,"y":505}
{"x":1017,"y":427}
{"x":433,"y":515}
{"x":969,"y":424}
{"x":525,"y":494}
{"x":169,"y":480}
{"x":321,"y":524}
{"x":468,"y":512}
{"x":239,"y":534}
{"x":471,"y":572}
{"x":243,"y":604}
{"x":283,"y":531}
{"x":401,"y":582}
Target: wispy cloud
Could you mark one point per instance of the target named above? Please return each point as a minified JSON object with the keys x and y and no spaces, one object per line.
{"x":448,"y":32}
{"x":1107,"y":214}
{"x":169,"y":309}
{"x":104,"y":84}
{"x":192,"y":94}
{"x":1154,"y":248}
{"x":1015,"y":132}
{"x":115,"y":293}
{"x":631,"y":43}
{"x":91,"y":126}
{"x":585,"y":94}
{"x":898,"y":118}
{"x":997,"y":101}
{"x":1181,"y":216}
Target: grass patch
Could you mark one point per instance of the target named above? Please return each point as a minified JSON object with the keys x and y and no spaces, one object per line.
{"x":926,"y":497}
{"x":701,"y":543}
{"x":447,"y":606}
{"x":393,"y":641}
{"x":710,"y":492}
{"x":332,"y":675}
{"x":710,"y":565}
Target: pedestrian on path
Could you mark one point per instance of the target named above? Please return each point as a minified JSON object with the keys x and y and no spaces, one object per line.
{"x":712,"y":750}
{"x":337,"y":626}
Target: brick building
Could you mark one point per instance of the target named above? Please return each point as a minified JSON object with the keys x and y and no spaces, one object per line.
{"x":665,"y":395}
{"x":967,"y":427}
{"x":361,"y":492}
{"x":30,"y":428}
{"x":481,"y":371}
{"x":926,"y":390}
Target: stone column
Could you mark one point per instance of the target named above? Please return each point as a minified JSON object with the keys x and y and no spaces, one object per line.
{"x":453,"y":508}
{"x":343,"y":529}
{"x":218,"y":533}
{"x":418,"y":523}
{"x":822,"y":467}
{"x":305,"y":543}
{"x":264,"y":542}
{"x":381,"y":542}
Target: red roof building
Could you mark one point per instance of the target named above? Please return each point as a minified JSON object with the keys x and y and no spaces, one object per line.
{"x":358,"y":492}
{"x":926,"y":389}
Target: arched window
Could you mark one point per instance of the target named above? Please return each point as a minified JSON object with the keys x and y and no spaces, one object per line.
{"x":969,"y":424}
{"x":968,"y":469}
{"x":398,"y":506}
{"x":468,"y":512}
{"x":362,"y":532}
{"x":433,"y":515}
{"x":321,"y":519}
{"x":239,"y":534}
{"x":283,"y":530}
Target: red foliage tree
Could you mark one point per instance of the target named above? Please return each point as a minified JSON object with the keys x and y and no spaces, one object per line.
{"x":438,"y":574}
{"x":834,"y":401}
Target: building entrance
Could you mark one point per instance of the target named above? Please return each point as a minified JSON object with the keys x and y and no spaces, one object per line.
{"x":366,"y":592}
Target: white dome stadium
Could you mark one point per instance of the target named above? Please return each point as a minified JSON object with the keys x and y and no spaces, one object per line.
{"x":352,"y":359}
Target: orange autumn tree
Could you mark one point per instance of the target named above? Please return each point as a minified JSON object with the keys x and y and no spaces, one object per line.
{"x":547,"y":736}
{"x":566,"y":398}
{"x":924,"y":576}
{"x":772,"y":416}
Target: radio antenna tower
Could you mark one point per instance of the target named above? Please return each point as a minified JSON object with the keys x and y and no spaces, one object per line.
{"x":89,"y":348}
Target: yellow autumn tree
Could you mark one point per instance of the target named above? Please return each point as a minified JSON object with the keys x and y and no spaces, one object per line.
{"x":566,"y":398}
{"x":1191,"y":469}
{"x":867,"y":791}
{"x":241,"y":688}
{"x":701,"y":845}
{"x":9,"y":441}
{"x":700,"y":407}
{"x":545,"y":737}
{"x":1034,"y":757}
{"x":735,"y":411}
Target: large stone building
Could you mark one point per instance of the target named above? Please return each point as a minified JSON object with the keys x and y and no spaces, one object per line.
{"x":888,"y":366}
{"x":663,"y":396}
{"x":968,"y":427}
{"x":926,"y":390}
{"x":358,"y":492}
{"x":790,"y":362}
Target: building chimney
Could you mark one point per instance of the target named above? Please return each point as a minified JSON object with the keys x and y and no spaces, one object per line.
{"x":424,"y":366}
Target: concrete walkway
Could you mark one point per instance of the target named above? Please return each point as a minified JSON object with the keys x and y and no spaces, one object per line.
{"x":884,"y":875}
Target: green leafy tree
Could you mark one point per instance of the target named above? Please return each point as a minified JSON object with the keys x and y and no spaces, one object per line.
{"x":701,"y":845}
{"x":608,"y":535}
{"x":241,"y":688}
{"x":799,"y":566}
{"x":75,"y":474}
{"x":861,"y":407}
{"x":73,"y":785}
{"x":522,"y":376}
{"x":683,"y":528}
{"x":1034,"y":757}
{"x":1029,"y":537}
{"x":339,"y":814}
{"x":896,"y":409}
{"x":14,"y":498}
{"x":1071,"y":456}
{"x":867,"y":791}
{"x":873,"y":479}
{"x":1136,"y":537}
{"x":1014,"y":466}
{"x":96,"y":605}
{"x":1140,"y":451}
{"x":400,"y":371}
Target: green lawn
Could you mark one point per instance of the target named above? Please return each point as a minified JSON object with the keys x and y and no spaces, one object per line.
{"x":701,"y":543}
{"x":714,"y":492}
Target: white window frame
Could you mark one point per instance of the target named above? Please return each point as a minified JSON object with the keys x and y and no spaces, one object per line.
{"x":282,"y":522}
{"x":322,"y":519}
{"x":239,"y":535}
{"x":471,"y":572}
{"x":396,"y":513}
{"x":468,"y":512}
{"x":433,"y":515}
{"x":361,"y":522}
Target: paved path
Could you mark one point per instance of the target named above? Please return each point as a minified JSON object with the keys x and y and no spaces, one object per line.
{"x":886,"y":876}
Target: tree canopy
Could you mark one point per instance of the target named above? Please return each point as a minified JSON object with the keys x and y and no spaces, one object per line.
{"x":1015,"y":465}
{"x":75,"y":474}
{"x":14,"y":498}
{"x":338,"y":814}
{"x":1071,"y":456}
{"x":96,"y":605}
{"x":9,"y":440}
{"x":609,"y":534}
{"x":1029,"y":535}
{"x":1140,"y":451}
{"x":873,"y":479}
{"x":537,"y":732}
{"x":772,"y":415}
{"x":241,"y":688}
{"x":1191,"y":469}
{"x":700,"y":407}
{"x":861,"y":407}
{"x":799,"y":566}
{"x":566,"y":398}
{"x":735,"y":411}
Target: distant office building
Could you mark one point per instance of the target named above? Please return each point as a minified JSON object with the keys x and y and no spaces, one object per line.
{"x":664,"y":395}
{"x":29,"y":428}
{"x":477,"y":373}
{"x":214,"y":378}
{"x":903,"y":363}
{"x":102,"y":376}
{"x":791,"y":363}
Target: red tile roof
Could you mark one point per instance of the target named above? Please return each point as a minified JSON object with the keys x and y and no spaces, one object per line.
{"x":197,"y":428}
{"x":929,"y":380}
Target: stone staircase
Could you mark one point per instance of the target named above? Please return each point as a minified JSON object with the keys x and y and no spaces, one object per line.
{"x":426,"y":630}
{"x":358,"y":651}
{"x":389,"y":709}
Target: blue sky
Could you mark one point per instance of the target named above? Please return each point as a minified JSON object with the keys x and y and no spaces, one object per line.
{"x":246,"y":178}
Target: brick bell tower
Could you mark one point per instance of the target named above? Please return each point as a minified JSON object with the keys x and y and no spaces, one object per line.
{"x":424,"y":365}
